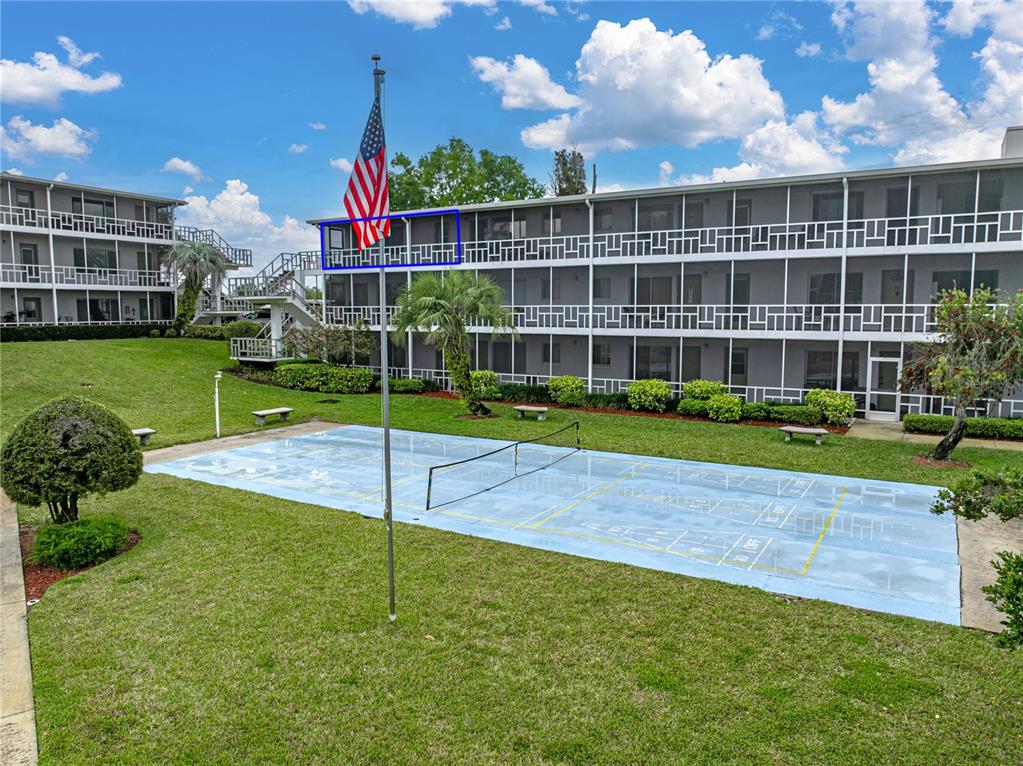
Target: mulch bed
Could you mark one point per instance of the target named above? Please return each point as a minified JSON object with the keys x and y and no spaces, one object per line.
{"x":39,"y":578}
{"x":922,"y":460}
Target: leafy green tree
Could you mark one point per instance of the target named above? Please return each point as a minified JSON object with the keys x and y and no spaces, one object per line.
{"x":442,"y":305}
{"x":67,"y":449}
{"x":453,"y":174}
{"x":569,"y":175}
{"x":332,"y":343}
{"x":978,"y":355}
{"x":194,"y":262}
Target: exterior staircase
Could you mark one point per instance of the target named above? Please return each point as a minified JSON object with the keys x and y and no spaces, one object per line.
{"x":238,"y":256}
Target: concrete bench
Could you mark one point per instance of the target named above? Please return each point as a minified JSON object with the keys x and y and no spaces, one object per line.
{"x":522,"y":409}
{"x":143,"y":434}
{"x":262,"y":415}
{"x":817,"y":433}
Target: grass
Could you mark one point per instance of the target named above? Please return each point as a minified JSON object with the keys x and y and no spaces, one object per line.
{"x":168,"y":385}
{"x":248,"y":629}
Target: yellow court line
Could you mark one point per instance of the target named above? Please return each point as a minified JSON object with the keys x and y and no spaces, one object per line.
{"x":824,"y":531}
{"x":574,"y":503}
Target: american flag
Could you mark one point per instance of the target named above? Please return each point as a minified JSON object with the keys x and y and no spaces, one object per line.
{"x":367,"y":188}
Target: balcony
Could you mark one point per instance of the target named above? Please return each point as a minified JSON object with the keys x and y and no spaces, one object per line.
{"x":78,"y":276}
{"x":80,"y":223}
{"x":257,"y":350}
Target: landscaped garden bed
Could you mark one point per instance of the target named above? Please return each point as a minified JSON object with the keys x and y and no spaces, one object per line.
{"x":39,"y":577}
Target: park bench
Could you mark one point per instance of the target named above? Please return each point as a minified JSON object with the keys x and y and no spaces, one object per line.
{"x":143,"y":434}
{"x":522,"y":409}
{"x":817,"y":433}
{"x":262,"y":415}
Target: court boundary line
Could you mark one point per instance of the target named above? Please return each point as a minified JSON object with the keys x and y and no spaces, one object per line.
{"x":827,"y":525}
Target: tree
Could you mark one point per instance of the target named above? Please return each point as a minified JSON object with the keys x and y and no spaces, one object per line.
{"x":65,"y":450}
{"x":978,"y":355}
{"x":332,"y":343}
{"x":195,"y":262}
{"x":442,"y":305}
{"x":569,"y":175}
{"x":452,"y":174}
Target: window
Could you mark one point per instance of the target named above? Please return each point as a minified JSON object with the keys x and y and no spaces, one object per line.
{"x":337,"y":238}
{"x":956,"y":197}
{"x":653,"y":362}
{"x":140,"y":212}
{"x":990,"y":199}
{"x":655,"y":217}
{"x":895,"y":203}
{"x":603,"y":218}
{"x":360,"y":293}
{"x":546,"y":293}
{"x":24,"y":198}
{"x":518,"y":228}
{"x":103,"y":310}
{"x":602,"y":354}
{"x":742,"y":287}
{"x":653,"y":291}
{"x":98,"y":207}
{"x":951,"y":280}
{"x":824,"y":289}
{"x":828,"y":206}
{"x":547,"y":224}
{"x":497,"y":227}
{"x":694,"y":215}
{"x":95,"y":258}
{"x":602,"y":289}
{"x":738,"y":366}
{"x":743,"y":212}
{"x":502,"y":356}
{"x":552,"y":353}
{"x":821,"y":370}
{"x":31,"y":309}
{"x":29,"y":255}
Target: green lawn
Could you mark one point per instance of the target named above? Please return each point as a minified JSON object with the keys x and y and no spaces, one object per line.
{"x":244,"y":629}
{"x":168,"y":385}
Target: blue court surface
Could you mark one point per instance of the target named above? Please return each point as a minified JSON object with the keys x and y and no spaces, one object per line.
{"x":865,"y":543}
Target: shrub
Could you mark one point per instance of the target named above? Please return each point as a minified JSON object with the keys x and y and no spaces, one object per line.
{"x":155,"y":333}
{"x":649,"y":395}
{"x":65,"y":450}
{"x":243,"y":328}
{"x":756,"y":411}
{"x":618,"y":401}
{"x":981,"y":428}
{"x":344,"y":380}
{"x":567,"y":390}
{"x":80,"y":331}
{"x":703,"y":389}
{"x":403,"y":385}
{"x":204,"y":331}
{"x":1006,"y":593}
{"x":797,"y":414}
{"x":484,"y":383}
{"x":519,"y":392}
{"x":695,"y":408}
{"x":306,"y":377}
{"x":724,"y":408}
{"x":833,"y":407}
{"x":979,"y":493}
{"x":80,"y":543}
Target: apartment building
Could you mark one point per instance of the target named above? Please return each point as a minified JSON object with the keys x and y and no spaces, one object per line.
{"x":73,"y":254}
{"x":773,"y":286}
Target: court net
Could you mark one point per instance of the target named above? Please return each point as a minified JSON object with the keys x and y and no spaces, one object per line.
{"x":462,"y":479}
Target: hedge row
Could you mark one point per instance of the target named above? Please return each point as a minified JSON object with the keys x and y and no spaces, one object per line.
{"x":80,"y":331}
{"x":981,"y":428}
{"x":243,"y":328}
{"x":324,"y":377}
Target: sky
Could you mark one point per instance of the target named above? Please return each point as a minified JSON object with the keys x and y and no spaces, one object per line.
{"x":253,"y":111}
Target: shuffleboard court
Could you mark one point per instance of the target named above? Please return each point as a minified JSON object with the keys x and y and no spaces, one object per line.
{"x":864,"y":543}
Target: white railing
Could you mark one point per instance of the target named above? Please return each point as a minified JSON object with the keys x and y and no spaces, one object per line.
{"x":226,"y":304}
{"x":264,"y":349}
{"x":24,"y":273}
{"x":11,"y":215}
{"x":67,"y":320}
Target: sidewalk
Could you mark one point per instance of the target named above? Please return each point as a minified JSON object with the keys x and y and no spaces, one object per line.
{"x":893,"y":432}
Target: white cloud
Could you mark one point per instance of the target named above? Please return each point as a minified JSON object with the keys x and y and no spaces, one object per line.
{"x":1002,"y":16}
{"x":808,"y":50}
{"x":421,"y":14}
{"x":187,"y":190}
{"x":185,"y":167}
{"x":21,"y":138}
{"x":61,"y":177}
{"x":45,"y":78}
{"x":503,"y":24}
{"x":540,"y":6}
{"x":960,"y":146}
{"x":524,"y":84}
{"x":780,"y":148}
{"x":343,"y":164}
{"x":665,"y":169}
{"x":611,"y":187}
{"x":641,"y":86}
{"x":779,"y":23}
{"x":14,"y":172}
{"x":297,"y":148}
{"x":236,"y":215}
{"x":318,"y":126}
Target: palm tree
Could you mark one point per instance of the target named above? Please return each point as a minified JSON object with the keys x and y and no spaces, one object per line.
{"x":194,"y":262}
{"x":442,"y":307}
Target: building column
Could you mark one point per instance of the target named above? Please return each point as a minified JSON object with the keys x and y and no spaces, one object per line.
{"x":53,"y":265}
{"x":841,"y":287}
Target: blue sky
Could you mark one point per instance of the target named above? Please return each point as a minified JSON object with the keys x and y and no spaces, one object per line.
{"x":653,"y":92}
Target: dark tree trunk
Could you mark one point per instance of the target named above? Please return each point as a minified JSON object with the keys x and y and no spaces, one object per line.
{"x":460,"y":368}
{"x":63,"y":509}
{"x":944,"y":448}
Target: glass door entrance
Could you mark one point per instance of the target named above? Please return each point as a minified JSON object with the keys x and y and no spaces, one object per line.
{"x":883,"y":389}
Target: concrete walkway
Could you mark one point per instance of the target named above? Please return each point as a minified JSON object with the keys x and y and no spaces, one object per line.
{"x":240,"y":440}
{"x":17,"y":711}
{"x":893,"y":432}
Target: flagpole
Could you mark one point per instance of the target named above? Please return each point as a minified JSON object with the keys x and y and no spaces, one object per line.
{"x":385,"y":388}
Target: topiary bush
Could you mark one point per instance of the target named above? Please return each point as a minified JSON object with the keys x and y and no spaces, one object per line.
{"x":1006,"y":593}
{"x":980,"y":428}
{"x":567,"y":390}
{"x":695,"y":408}
{"x":833,"y":407}
{"x":703,"y":389}
{"x":80,"y":543}
{"x":724,"y":408}
{"x":484,"y":383}
{"x":345,"y":380}
{"x":65,"y":450}
{"x":520,"y":392}
{"x":649,"y":395}
{"x":797,"y":414}
{"x":756,"y":411}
